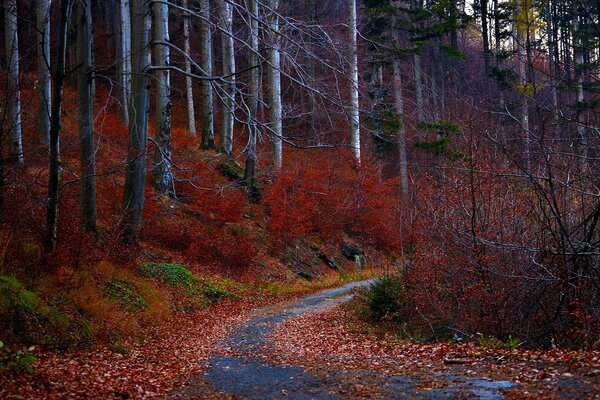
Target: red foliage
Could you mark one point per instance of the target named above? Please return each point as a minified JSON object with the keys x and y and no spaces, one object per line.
{"x":318,"y":193}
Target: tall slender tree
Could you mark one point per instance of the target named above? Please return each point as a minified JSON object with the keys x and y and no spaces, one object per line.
{"x":55,"y":127}
{"x":253,"y":88}
{"x":135,"y":176}
{"x":13,"y":91}
{"x":163,"y":178}
{"x":43,"y":60}
{"x":189,"y":92}
{"x":85,"y":100}
{"x":275,"y":84}
{"x":123,"y":57}
{"x":354,"y":100}
{"x":229,"y":68}
{"x":208,"y":130}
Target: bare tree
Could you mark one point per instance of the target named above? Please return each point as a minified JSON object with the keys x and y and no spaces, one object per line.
{"x":85,"y":109}
{"x":55,"y":127}
{"x":229,"y":69}
{"x":399,"y":106}
{"x":43,"y":60}
{"x":275,"y":84}
{"x":135,"y":178}
{"x":208,"y":130}
{"x":163,"y":178}
{"x":354,"y":103}
{"x":250,"y":171}
{"x":123,"y":57}
{"x":13,"y":91}
{"x":189,"y":92}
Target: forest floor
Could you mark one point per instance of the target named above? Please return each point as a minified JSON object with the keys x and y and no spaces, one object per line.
{"x":310,"y":348}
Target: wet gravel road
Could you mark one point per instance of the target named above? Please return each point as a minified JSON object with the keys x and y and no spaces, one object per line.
{"x":244,"y":374}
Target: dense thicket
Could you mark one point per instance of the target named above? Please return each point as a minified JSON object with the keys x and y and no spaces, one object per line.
{"x":462,"y":136}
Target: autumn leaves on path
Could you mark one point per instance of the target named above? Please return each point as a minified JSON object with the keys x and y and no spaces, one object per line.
{"x":271,"y":356}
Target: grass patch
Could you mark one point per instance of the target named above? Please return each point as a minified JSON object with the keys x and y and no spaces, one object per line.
{"x":193,"y":292}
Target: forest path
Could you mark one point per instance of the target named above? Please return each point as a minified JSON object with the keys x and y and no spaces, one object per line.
{"x":242,"y":368}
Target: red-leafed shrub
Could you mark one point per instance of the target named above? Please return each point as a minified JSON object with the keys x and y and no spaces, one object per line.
{"x":317,"y":193}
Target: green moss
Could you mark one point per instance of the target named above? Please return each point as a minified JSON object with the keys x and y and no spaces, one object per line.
{"x":173,"y":274}
{"x":123,"y":293}
{"x":231,"y":170}
{"x":192,"y":291}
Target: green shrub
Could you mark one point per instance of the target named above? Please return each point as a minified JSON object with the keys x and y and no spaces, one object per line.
{"x":123,"y":293}
{"x":173,"y":274}
{"x":16,"y":361}
{"x":193,"y":292}
{"x":385,"y":299}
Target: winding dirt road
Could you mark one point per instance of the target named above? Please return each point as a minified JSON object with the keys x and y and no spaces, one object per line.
{"x":243,"y":370}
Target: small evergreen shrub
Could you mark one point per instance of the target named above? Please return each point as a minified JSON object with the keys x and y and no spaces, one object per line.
{"x":16,"y":361}
{"x":384,"y":300}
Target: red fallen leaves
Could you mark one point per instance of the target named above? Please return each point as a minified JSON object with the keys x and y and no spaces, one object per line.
{"x":339,"y":340}
{"x":150,"y":369}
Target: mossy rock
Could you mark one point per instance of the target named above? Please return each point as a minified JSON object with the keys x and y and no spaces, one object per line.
{"x":231,"y":170}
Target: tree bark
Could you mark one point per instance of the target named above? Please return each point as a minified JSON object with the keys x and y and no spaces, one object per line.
{"x":208,"y":132}
{"x":189,"y":92}
{"x":43,"y":60}
{"x":163,"y":178}
{"x":254,"y":85}
{"x":123,"y":57}
{"x":13,"y":92}
{"x":354,"y":101}
{"x":135,"y":177}
{"x":522,"y":26}
{"x":85,"y":100}
{"x":54,"y":172}
{"x":229,"y":69}
{"x":399,"y":106}
{"x":275,"y":85}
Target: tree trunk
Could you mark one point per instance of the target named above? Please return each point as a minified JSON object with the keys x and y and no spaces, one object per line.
{"x":85,"y":109}
{"x":135,"y":177}
{"x":208,"y":132}
{"x":522,"y":26}
{"x":275,"y":86}
{"x":551,"y":61}
{"x":354,"y":103}
{"x":229,"y":69}
{"x":254,"y":85}
{"x":13,"y":92}
{"x":54,"y":172}
{"x":578,"y":66}
{"x":399,"y":106}
{"x":484,"y":33}
{"x":163,"y":178}
{"x":189,"y":92}
{"x":43,"y":59}
{"x":123,"y":57}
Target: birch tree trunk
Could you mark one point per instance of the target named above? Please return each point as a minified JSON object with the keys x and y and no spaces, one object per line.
{"x":254,"y":85}
{"x":275,"y":86}
{"x":354,"y":103}
{"x":54,"y":171}
{"x":123,"y":57}
{"x":135,"y":177}
{"x":208,"y":130}
{"x":13,"y":92}
{"x":189,"y":92}
{"x":43,"y":60}
{"x":163,"y":178}
{"x":85,"y":100}
{"x":229,"y":69}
